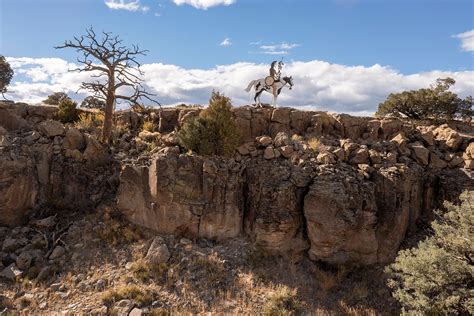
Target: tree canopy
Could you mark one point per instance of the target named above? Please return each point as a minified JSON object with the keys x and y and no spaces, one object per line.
{"x":6,"y":74}
{"x":56,"y":98}
{"x":435,"y":102}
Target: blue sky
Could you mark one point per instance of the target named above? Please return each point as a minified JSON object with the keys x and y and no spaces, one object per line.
{"x":408,"y":37}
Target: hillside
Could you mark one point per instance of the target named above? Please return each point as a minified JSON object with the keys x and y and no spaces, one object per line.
{"x":310,"y":207}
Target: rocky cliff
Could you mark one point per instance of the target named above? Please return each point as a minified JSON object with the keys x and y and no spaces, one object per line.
{"x":341,"y":189}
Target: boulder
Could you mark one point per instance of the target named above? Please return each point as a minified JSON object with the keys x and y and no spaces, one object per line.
{"x":183,"y":194}
{"x":375,"y":157}
{"x":95,"y":154}
{"x":326,"y":158}
{"x":340,"y":154}
{"x":58,"y":252}
{"x":269,"y":153}
{"x":420,"y":153}
{"x":281,"y":139}
{"x":282,"y":116}
{"x":436,"y":162}
{"x":158,"y":251}
{"x":448,"y":138}
{"x":264,"y":141}
{"x":286,"y":151}
{"x":11,"y":272}
{"x":51,"y":128}
{"x":18,"y":190}
{"x":360,"y":156}
{"x":74,"y":140}
{"x":243,"y":149}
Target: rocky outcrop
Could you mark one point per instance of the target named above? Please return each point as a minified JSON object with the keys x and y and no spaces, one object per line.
{"x":345,"y":189}
{"x":184,"y":194}
{"x":48,"y":165}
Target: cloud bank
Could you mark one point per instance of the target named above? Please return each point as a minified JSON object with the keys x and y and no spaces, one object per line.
{"x":318,"y":84}
{"x":467,"y":40}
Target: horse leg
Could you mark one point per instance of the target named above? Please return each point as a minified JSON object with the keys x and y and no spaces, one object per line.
{"x":257,"y":98}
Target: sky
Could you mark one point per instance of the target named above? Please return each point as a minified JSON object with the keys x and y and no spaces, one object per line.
{"x":344,"y":55}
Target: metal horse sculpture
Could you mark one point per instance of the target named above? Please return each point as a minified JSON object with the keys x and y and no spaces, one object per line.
{"x":260,"y":86}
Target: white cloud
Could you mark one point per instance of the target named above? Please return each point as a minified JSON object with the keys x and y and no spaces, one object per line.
{"x":204,"y":4}
{"x":467,"y":40}
{"x":226,"y":42}
{"x":318,"y":84}
{"x":276,"y":49}
{"x":128,"y":5}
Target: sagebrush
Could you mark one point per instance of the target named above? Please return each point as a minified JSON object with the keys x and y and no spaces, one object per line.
{"x":437,"y":276}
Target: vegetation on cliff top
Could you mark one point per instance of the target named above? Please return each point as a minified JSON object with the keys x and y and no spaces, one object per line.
{"x":437,"y":277}
{"x":435,"y":103}
{"x":6,"y":74}
{"x":214,"y":131}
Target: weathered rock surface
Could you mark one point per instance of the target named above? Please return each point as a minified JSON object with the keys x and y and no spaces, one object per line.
{"x":181,"y":194}
{"x":348,"y":196}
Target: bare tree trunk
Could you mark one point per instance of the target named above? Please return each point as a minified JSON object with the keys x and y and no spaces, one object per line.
{"x":109,"y":111}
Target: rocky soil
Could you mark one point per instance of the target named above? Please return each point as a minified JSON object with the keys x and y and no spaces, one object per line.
{"x":303,"y":217}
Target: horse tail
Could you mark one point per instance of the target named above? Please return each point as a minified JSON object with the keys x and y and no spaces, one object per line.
{"x":251,"y":84}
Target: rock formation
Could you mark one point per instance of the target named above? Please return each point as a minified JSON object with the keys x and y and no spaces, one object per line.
{"x":342,"y":189}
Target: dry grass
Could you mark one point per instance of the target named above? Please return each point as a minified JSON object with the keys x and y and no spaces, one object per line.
{"x":297,"y":138}
{"x":357,"y":310}
{"x":90,"y":120}
{"x":327,"y":279}
{"x":114,"y":232}
{"x":132,"y":292}
{"x":314,"y":143}
{"x":214,"y":269}
{"x":148,"y":126}
{"x":146,"y":271}
{"x":282,"y":302}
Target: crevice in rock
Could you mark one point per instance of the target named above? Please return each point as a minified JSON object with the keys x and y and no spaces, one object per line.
{"x":301,"y":195}
{"x":247,"y":217}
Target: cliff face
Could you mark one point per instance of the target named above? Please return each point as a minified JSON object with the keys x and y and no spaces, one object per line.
{"x":345,"y":190}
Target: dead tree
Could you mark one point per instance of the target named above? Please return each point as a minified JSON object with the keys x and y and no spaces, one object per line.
{"x":114,"y":66}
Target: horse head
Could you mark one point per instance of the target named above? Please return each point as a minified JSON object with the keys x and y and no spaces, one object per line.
{"x":289,"y":80}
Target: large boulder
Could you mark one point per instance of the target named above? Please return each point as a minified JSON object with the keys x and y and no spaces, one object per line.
{"x":274,"y":195}
{"x":51,"y":128}
{"x":182,"y":194}
{"x":18,"y":190}
{"x":74,"y":140}
{"x":350,"y":220}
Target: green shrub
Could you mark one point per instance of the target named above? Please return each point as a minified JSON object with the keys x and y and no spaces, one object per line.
{"x":67,"y":111}
{"x":91,"y":102}
{"x":6,"y":74}
{"x":56,"y":98}
{"x":437,"y":277}
{"x":435,"y":103}
{"x":214,"y":131}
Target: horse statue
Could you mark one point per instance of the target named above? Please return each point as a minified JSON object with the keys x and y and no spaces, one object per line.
{"x":275,"y":88}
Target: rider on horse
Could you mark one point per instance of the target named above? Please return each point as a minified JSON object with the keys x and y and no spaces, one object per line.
{"x":274,"y":75}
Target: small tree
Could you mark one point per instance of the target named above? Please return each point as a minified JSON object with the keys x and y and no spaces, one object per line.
{"x":93,"y":103}
{"x":214,"y":131}
{"x":114,"y":66}
{"x":6,"y":75}
{"x":67,"y":111}
{"x":56,"y":98}
{"x":435,"y":103}
{"x":437,"y":277}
